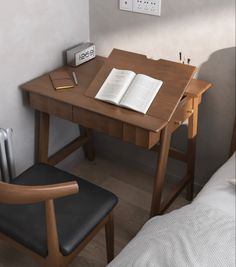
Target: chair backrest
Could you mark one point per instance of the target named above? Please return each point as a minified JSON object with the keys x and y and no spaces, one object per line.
{"x":7,"y":163}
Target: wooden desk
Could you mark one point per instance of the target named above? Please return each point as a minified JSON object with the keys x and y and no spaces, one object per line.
{"x":150,"y":131}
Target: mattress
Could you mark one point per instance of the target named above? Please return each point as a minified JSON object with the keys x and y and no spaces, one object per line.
{"x":199,"y":234}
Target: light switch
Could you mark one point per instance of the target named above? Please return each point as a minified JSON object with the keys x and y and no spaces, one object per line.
{"x":126,"y":5}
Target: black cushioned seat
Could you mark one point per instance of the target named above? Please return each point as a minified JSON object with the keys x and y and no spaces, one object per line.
{"x":76,"y":215}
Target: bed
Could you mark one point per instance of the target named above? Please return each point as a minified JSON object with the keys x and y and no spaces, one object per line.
{"x":201,"y":234}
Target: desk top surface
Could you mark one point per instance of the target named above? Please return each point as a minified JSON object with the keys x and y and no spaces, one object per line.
{"x":176,"y":79}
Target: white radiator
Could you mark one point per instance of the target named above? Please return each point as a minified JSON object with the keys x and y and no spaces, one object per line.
{"x":7,"y":164}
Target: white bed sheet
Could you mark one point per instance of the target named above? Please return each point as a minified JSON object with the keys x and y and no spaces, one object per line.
{"x":201,"y":234}
{"x":219,"y":192}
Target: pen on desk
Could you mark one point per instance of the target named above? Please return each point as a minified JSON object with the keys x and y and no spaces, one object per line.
{"x":180,"y":56}
{"x":75,"y":78}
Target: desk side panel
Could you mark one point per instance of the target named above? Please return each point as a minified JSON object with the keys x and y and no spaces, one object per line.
{"x":182,"y":113}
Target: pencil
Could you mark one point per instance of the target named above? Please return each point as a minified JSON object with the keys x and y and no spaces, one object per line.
{"x":75,"y":78}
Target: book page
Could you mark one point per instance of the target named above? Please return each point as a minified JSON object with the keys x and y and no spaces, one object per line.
{"x":141,"y":93}
{"x":115,"y":85}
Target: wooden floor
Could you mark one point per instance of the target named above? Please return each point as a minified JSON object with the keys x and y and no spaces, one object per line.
{"x":133,"y":188}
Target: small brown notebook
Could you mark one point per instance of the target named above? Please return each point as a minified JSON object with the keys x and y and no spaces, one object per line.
{"x":61,"y":80}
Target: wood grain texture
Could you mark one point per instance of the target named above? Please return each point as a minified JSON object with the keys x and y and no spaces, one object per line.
{"x":191,"y":149}
{"x":54,"y":255}
{"x":19,"y":194}
{"x":67,"y":150}
{"x":115,"y":128}
{"x":156,"y":118}
{"x":51,"y":106}
{"x":175,"y":77}
{"x":197,"y":87}
{"x":160,"y":177}
{"x":182,"y":113}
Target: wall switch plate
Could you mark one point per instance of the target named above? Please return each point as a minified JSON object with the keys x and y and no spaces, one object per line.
{"x":151,"y":7}
{"x":126,"y":5}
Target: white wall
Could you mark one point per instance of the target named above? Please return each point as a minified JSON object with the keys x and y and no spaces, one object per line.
{"x":33,"y":34}
{"x":202,"y":30}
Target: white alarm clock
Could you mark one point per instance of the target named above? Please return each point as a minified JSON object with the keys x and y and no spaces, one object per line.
{"x":80,"y":54}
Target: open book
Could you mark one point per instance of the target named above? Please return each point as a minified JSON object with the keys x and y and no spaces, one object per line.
{"x":126,"y":89}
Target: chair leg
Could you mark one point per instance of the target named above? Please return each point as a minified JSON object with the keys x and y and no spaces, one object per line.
{"x":109,"y":230}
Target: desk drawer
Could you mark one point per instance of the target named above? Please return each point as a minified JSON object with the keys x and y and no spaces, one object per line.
{"x":97,"y":122}
{"x":139,"y":136}
{"x":51,"y":106}
{"x":115,"y":128}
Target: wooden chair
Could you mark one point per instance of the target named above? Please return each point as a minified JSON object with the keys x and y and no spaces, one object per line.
{"x":51,"y":214}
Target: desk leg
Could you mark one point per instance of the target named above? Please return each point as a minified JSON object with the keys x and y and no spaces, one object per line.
{"x":88,"y":147}
{"x":191,"y":151}
{"x":43,"y":137}
{"x":160,"y":172}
